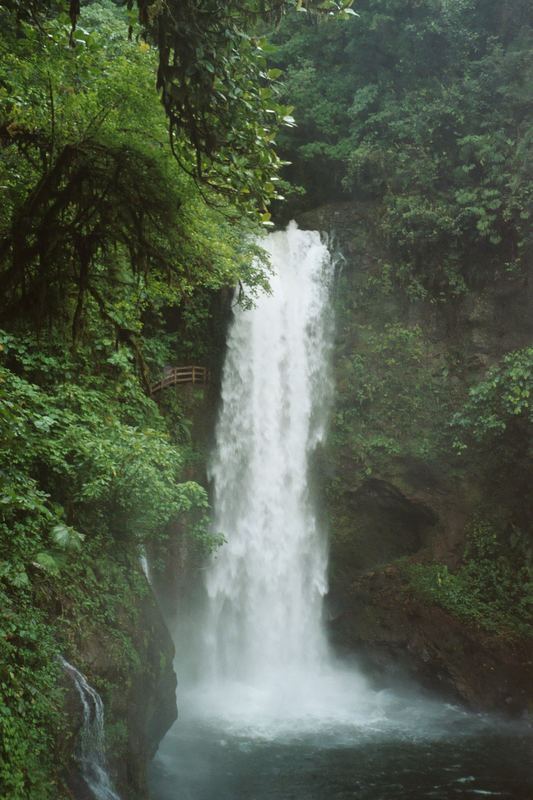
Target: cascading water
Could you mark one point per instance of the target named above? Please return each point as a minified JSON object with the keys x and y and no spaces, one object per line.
{"x":266,"y":584}
{"x":265,"y":657}
{"x":92,"y":737}
{"x":145,"y":565}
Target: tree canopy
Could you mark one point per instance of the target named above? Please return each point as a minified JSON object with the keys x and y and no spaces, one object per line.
{"x":424,"y":108}
{"x":220,"y":97}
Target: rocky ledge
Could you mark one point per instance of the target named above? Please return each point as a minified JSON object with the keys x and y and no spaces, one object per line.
{"x":396,"y":630}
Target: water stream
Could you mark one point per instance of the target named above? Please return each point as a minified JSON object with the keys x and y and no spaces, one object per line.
{"x":266,"y":710}
{"x":92,"y":754}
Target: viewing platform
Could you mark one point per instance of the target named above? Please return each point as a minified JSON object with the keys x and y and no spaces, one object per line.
{"x":174,"y":376}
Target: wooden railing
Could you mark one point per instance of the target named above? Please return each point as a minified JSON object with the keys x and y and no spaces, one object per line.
{"x":177,"y":375}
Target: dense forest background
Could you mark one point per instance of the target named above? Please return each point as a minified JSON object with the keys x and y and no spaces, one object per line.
{"x":123,"y":222}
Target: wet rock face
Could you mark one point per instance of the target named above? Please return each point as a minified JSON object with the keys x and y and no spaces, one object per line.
{"x":382,"y":525}
{"x":139,"y":696}
{"x":417,"y":508}
{"x":394,"y":631}
{"x":484,"y":323}
{"x":150,"y":705}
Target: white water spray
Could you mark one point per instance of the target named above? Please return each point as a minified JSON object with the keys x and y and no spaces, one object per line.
{"x":145,"y":565}
{"x":266,"y":584}
{"x":265,"y":644}
{"x":265,"y":671}
{"x":269,"y":712}
{"x":92,"y":737}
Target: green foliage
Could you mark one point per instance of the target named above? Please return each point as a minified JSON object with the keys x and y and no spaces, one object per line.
{"x":66,"y":537}
{"x":391,"y":387}
{"x":30,"y":697}
{"x":218,"y":90}
{"x":498,"y":405}
{"x":493,"y":588}
{"x":425,"y":109}
{"x":103,"y":473}
{"x":100,"y":223}
{"x":220,"y":97}
{"x":88,"y":474}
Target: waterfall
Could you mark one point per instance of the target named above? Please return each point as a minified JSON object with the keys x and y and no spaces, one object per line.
{"x":92,"y":737}
{"x":263,"y":668}
{"x":266,"y":710}
{"x":145,"y":564}
{"x":266,"y":585}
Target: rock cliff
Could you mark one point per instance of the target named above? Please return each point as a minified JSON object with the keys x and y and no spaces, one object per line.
{"x":137,"y":684}
{"x":396,"y":493}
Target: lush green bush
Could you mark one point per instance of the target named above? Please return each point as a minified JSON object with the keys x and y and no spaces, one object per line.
{"x":30,"y":697}
{"x":499,"y":403}
{"x":100,"y":225}
{"x":424,"y":109}
{"x":89,"y":476}
{"x":391,"y":388}
{"x":493,"y":588}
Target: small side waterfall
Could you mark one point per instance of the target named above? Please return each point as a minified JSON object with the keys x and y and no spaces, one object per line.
{"x":145,"y":565}
{"x":92,"y":737}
